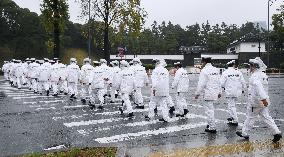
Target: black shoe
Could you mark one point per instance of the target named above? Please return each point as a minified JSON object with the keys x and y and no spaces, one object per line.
{"x":61,"y":91}
{"x":172,"y":109}
{"x":83,"y":101}
{"x":65,"y":93}
{"x":213,"y":131}
{"x":163,"y":120}
{"x":35,"y":92}
{"x":111,"y":102}
{"x":47,"y":93}
{"x":277,"y":137}
{"x":233,"y":123}
{"x":55,"y":95}
{"x":130,"y":115}
{"x":147,"y":118}
{"x":101,"y":107}
{"x":121,"y":110}
{"x":72,"y":95}
{"x":179,"y":115}
{"x":207,"y":126}
{"x":30,"y":89}
{"x":241,"y":135}
{"x":19,"y":88}
{"x":156,"y":111}
{"x":116,"y":95}
{"x":185,"y":112}
{"x":140,"y":107}
{"x":230,"y":119}
{"x":40,"y":93}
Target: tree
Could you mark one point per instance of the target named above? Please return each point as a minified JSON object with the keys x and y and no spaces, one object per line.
{"x":277,"y":36}
{"x":54,"y":16}
{"x":125,"y":15}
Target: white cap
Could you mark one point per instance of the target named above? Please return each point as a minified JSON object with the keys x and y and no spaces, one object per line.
{"x":231,"y":62}
{"x":262,"y":66}
{"x":124,"y":63}
{"x":73,"y":60}
{"x":103,"y":61}
{"x":177,"y":63}
{"x":87,"y":60}
{"x":96,"y":62}
{"x":137,"y":60}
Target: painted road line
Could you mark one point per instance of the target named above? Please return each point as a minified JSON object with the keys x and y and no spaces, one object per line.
{"x":50,"y":108}
{"x":93,"y":122}
{"x":131,"y":136}
{"x":69,"y":117}
{"x":55,"y":148}
{"x":77,"y":106}
{"x":34,"y":97}
{"x":47,"y":102}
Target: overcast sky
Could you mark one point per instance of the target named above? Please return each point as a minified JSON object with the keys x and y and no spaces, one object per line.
{"x":187,"y":12}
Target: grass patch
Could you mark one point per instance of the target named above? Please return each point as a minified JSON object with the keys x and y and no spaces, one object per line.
{"x":76,"y":152}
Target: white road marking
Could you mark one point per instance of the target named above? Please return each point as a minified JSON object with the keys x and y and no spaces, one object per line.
{"x":55,"y":148}
{"x":93,"y":122}
{"x":50,"y":108}
{"x":131,"y":136}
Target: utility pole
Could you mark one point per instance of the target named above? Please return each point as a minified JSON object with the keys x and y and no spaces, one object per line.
{"x":268,"y":34}
{"x":89,"y":31}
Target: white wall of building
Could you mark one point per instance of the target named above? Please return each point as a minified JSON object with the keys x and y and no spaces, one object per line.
{"x":252,"y":47}
{"x":248,"y":47}
{"x":150,"y":57}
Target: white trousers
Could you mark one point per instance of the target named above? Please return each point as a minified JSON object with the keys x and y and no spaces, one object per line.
{"x":19,"y":82}
{"x":112,"y":93}
{"x":232,"y":108}
{"x":254,"y":114}
{"x":85,"y":91}
{"x":34,"y":85}
{"x":169,"y":101}
{"x":72,"y":88}
{"x":127,"y":104}
{"x":161,"y":102}
{"x":138,"y":98}
{"x":43,"y":85}
{"x":181,"y":102}
{"x":209,"y":112}
{"x":62,"y":85}
{"x":98,"y":94}
{"x":54,"y":86}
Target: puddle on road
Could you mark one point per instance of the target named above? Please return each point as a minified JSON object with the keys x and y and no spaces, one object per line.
{"x":257,"y":148}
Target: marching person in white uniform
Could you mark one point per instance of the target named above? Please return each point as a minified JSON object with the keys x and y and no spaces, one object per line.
{"x":62,"y":84}
{"x":181,"y":83}
{"x":85,"y":76}
{"x":126,"y":85}
{"x":54,"y":77}
{"x":141,"y":79}
{"x":97,"y":83}
{"x":258,"y":101}
{"x":114,"y":80}
{"x":73,"y":72}
{"x":209,"y":85}
{"x":159,"y":91}
{"x":44,"y":74}
{"x":233,"y":82}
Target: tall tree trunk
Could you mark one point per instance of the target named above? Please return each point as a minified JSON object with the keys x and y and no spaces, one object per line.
{"x":106,"y":32}
{"x":56,"y":31}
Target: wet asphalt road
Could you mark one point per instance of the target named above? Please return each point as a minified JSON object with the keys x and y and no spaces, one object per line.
{"x":34,"y":123}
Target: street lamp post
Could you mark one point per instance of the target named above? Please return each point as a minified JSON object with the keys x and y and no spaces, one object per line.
{"x":269,"y":3}
{"x":89,"y":31}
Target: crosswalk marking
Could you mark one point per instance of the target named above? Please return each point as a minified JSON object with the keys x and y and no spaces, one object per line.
{"x":131,"y":136}
{"x":103,"y":123}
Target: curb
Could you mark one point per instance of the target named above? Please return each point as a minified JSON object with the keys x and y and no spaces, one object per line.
{"x":121,"y":151}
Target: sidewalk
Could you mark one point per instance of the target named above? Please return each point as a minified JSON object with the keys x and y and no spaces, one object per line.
{"x":239,"y":149}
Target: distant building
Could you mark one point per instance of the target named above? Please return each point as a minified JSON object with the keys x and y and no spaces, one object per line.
{"x":192,"y":49}
{"x":249,"y":46}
